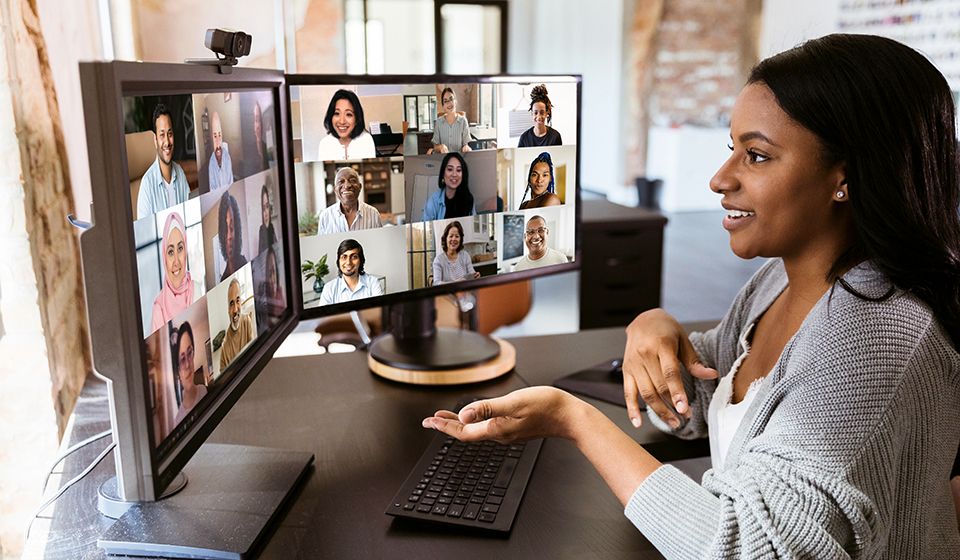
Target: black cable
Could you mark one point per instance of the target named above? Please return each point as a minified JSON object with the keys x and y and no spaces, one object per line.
{"x":67,"y":486}
{"x":74,"y":448}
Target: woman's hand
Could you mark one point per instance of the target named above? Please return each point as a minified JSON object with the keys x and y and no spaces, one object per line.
{"x":476,"y":275}
{"x":522,"y":415}
{"x":657,"y":350}
{"x":440,"y":149}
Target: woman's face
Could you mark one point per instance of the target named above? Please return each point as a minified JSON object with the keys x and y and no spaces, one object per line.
{"x":453,"y":173}
{"x":265,"y":209}
{"x":272,"y":281}
{"x":343,"y":118}
{"x":175,"y":258}
{"x":185,"y":362}
{"x":539,"y":178}
{"x":778,"y":193}
{"x":540,"y":114}
{"x":449,"y":101}
{"x":453,"y":239}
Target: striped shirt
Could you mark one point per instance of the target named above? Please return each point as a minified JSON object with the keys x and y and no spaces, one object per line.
{"x":454,"y":136}
{"x":221,"y":175}
{"x":332,"y":219}
{"x":156,"y":194}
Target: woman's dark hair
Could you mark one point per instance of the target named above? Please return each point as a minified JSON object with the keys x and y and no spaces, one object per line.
{"x":349,"y":245}
{"x":883,"y":110}
{"x":360,"y":124}
{"x":539,"y":95}
{"x":184,"y":329}
{"x":462,"y":202}
{"x":544,"y":157}
{"x":229,"y":204}
{"x":446,"y":230}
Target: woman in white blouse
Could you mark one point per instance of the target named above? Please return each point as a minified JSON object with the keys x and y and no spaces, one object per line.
{"x":346,"y":136}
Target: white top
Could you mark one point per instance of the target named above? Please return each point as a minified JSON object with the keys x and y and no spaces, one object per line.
{"x":552,"y":256}
{"x":724,"y":417}
{"x":332,"y":219}
{"x":360,"y":147}
{"x":338,"y":291}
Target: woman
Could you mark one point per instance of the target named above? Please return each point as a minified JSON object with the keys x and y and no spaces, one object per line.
{"x":453,"y":263}
{"x":346,"y":136}
{"x":176,"y":291}
{"x":269,"y":303}
{"x":451,"y":132}
{"x":267,"y":234}
{"x":840,"y":354}
{"x":453,"y":198}
{"x":540,"y":134}
{"x":184,"y":364}
{"x":230,"y":235}
{"x":540,"y":184}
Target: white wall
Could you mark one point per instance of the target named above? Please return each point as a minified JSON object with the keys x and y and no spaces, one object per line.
{"x":574,"y":36}
{"x":787,"y":23}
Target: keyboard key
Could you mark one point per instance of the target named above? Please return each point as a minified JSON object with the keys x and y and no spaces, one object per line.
{"x":490,"y":508}
{"x":476,"y":500}
{"x":455,"y":510}
{"x":413,"y":498}
{"x":494,"y":500}
{"x":428,"y":501}
{"x":439,"y":509}
{"x":461,"y":501}
{"x":432,"y":495}
{"x":471,"y":511}
{"x":442,"y":500}
{"x":498,"y":492}
{"x":409,"y":506}
{"x":506,"y":473}
{"x":487,"y":517}
{"x":424,"y":509}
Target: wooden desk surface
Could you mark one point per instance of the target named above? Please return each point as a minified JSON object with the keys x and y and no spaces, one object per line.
{"x":365,"y":433}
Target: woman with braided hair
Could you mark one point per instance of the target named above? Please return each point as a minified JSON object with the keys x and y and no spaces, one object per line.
{"x":540,"y":134}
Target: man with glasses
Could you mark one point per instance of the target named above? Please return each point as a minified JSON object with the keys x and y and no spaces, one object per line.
{"x":538,"y":254}
{"x":241,"y":329}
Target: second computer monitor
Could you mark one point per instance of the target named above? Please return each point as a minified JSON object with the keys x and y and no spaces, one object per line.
{"x":431,"y":184}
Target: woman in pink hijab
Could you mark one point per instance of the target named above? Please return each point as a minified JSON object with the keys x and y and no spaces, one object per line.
{"x":176,"y":294}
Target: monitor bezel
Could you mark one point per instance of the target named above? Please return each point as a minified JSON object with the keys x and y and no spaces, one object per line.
{"x":418,"y":79}
{"x":113,"y":304}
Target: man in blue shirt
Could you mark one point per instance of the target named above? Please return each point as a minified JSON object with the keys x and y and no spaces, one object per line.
{"x":352,"y":282}
{"x":220,"y":166}
{"x":164,"y":184}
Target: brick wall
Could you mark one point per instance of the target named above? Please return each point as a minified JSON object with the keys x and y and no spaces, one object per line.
{"x":687,"y":61}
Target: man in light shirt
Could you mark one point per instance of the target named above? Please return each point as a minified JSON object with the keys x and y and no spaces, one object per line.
{"x":352,"y":282}
{"x":164,"y":184}
{"x":241,"y":330}
{"x":538,"y":254}
{"x":220,"y":167}
{"x":348,"y":213}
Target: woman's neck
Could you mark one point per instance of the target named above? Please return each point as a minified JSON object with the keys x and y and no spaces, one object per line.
{"x":345,"y":141}
{"x":451,"y":117}
{"x":450,"y":193}
{"x":540,"y":130}
{"x":452,"y":254}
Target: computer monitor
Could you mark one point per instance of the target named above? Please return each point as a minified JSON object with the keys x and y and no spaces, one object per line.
{"x":480,"y":187}
{"x":189,"y":293}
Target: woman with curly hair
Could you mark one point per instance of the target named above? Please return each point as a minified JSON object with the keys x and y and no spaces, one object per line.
{"x":540,"y":134}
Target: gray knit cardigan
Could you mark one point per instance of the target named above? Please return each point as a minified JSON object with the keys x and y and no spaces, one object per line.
{"x":844,"y":453}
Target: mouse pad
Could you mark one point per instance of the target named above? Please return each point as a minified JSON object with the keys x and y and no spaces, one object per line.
{"x":597,"y":382}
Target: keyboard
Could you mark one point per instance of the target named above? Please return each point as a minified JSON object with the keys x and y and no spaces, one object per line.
{"x":477,"y":484}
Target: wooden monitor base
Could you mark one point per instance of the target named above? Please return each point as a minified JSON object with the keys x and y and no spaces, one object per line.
{"x":501,"y":364}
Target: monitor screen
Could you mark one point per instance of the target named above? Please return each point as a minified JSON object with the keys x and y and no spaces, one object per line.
{"x":204,"y":195}
{"x":428,"y":185}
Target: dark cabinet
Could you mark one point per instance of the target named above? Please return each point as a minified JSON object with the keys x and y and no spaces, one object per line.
{"x":621,"y":263}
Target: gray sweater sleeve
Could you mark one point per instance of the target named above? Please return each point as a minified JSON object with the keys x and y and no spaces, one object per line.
{"x":819,"y":470}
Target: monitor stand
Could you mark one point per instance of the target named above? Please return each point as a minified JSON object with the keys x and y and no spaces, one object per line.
{"x":415,"y":350}
{"x":234,"y":497}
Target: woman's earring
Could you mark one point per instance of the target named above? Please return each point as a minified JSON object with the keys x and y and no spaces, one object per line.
{"x":840,"y":195}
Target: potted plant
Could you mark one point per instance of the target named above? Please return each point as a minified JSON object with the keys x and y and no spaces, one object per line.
{"x":316,"y":270}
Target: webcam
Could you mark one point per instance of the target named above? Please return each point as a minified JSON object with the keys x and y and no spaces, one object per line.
{"x":227,"y":45}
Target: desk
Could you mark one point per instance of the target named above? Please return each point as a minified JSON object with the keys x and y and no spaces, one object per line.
{"x":366,"y":435}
